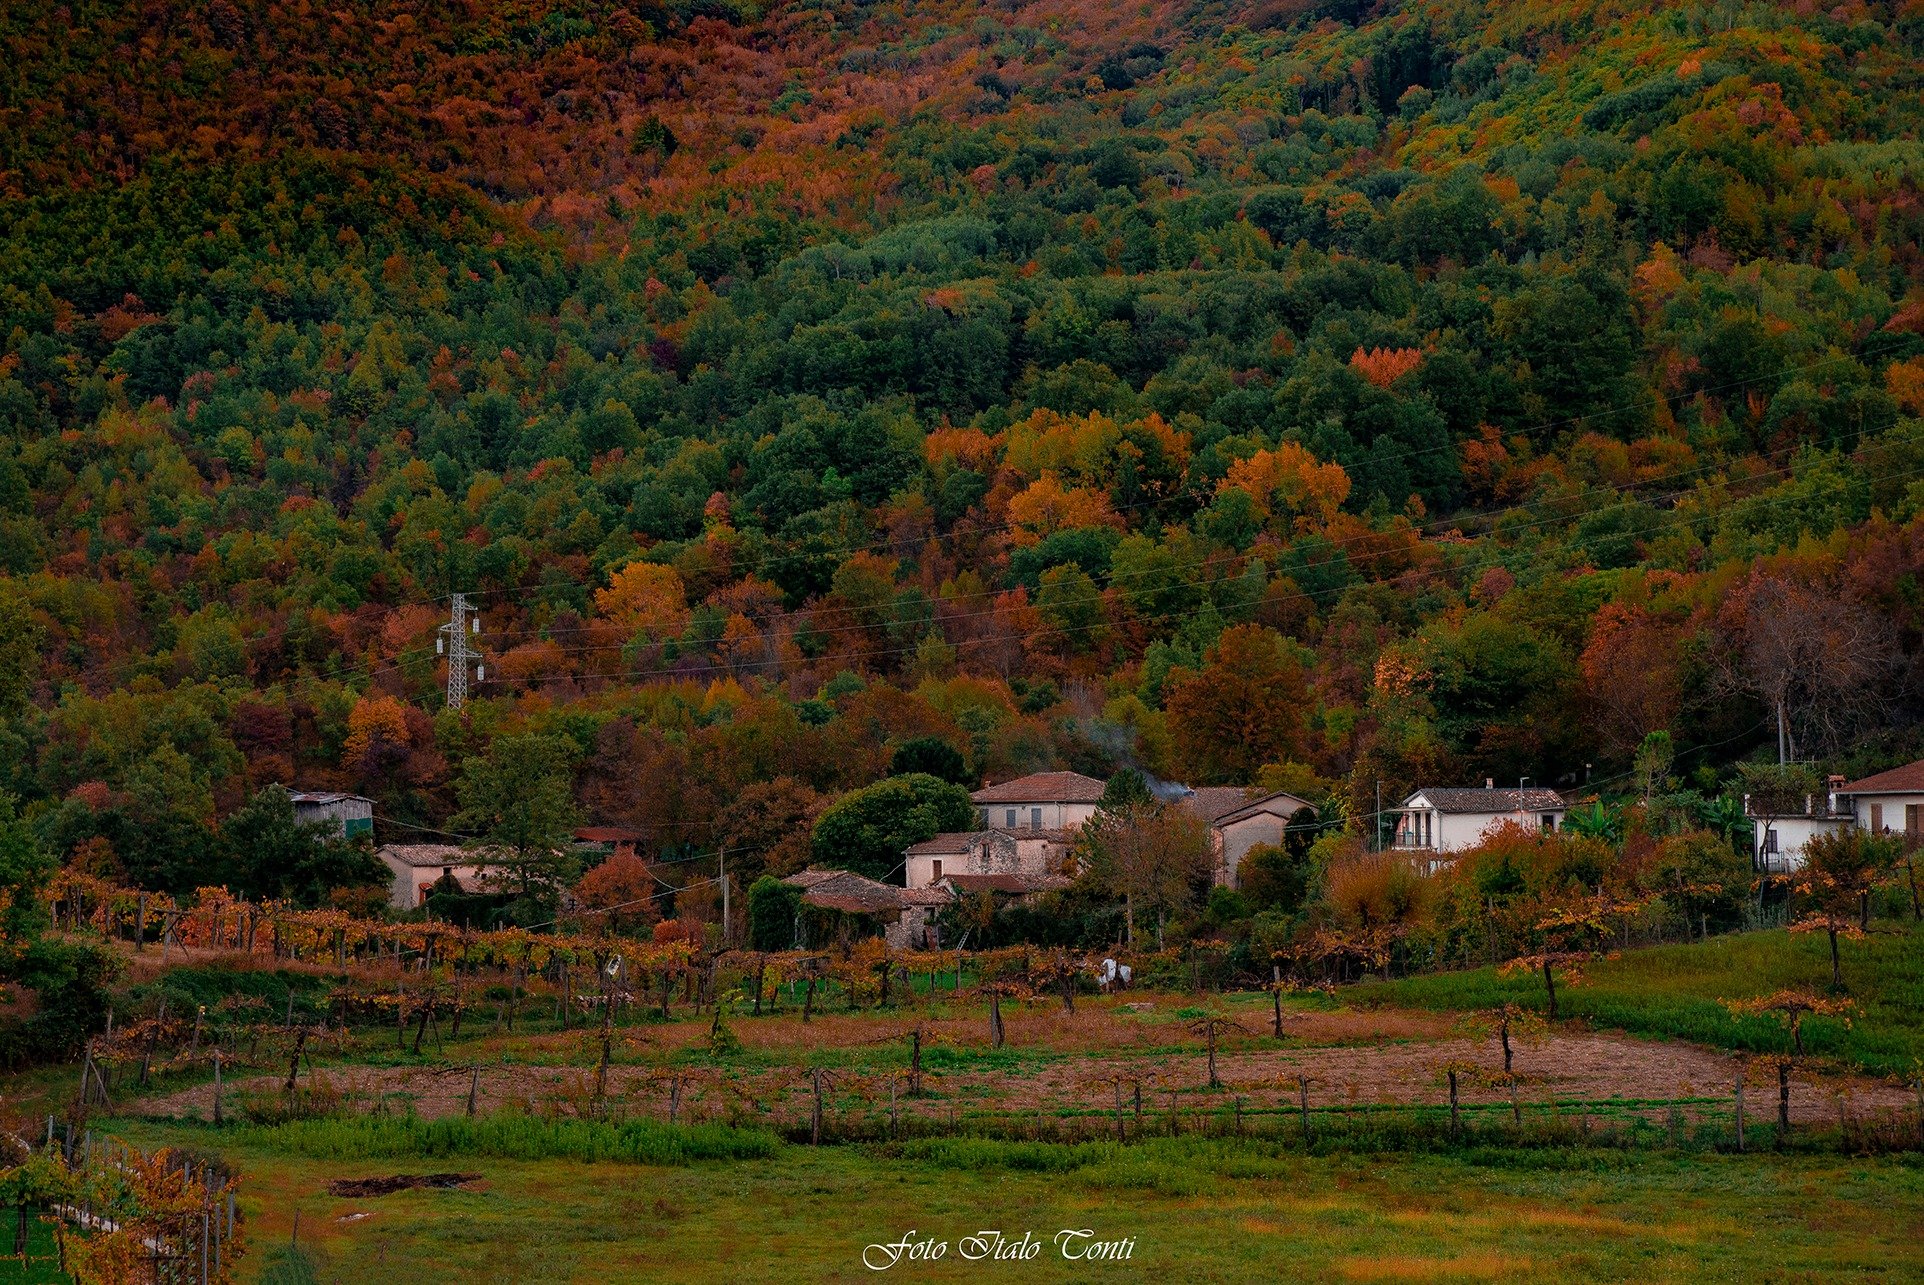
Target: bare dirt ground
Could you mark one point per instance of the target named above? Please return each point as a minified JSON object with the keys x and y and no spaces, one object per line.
{"x":1057,"y":1061}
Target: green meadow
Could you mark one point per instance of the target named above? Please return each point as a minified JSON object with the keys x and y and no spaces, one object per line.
{"x":1677,"y":991}
{"x":1196,"y":1209}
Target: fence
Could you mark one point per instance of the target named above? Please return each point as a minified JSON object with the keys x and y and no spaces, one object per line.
{"x":109,"y":1211}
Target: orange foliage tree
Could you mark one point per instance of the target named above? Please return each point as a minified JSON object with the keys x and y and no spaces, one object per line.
{"x":1243,"y":710}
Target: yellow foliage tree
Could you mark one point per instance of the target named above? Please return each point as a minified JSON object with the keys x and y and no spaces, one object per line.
{"x":1289,"y":482}
{"x":1047,"y":506}
{"x":645,"y":598}
{"x":376,"y":726}
{"x":1905,"y":380}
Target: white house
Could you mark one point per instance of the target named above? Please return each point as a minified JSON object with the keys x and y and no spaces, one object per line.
{"x":416,"y":867}
{"x":1885,"y":803}
{"x":1238,"y":822}
{"x":1039,"y":801}
{"x":1437,"y":822}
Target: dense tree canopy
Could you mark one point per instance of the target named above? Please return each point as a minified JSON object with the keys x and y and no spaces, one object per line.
{"x":1374,"y":395}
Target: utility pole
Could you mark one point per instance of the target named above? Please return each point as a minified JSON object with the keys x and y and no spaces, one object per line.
{"x":460,"y":642}
{"x":721,"y":866}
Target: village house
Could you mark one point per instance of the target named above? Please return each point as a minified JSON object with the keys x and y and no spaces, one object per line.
{"x":1884,"y":803}
{"x":1031,"y":824}
{"x":1031,"y":853}
{"x":417,"y":866}
{"x":1435,"y":822}
{"x":1238,"y":822}
{"x":1039,"y":801}
{"x":350,"y":814}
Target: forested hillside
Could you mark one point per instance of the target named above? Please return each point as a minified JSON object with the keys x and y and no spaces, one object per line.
{"x":1323,"y":394}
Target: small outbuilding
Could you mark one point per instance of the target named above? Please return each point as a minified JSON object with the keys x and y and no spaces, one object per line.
{"x":351,"y":814}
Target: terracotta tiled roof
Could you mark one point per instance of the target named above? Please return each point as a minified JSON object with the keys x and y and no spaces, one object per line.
{"x":1288,"y":806}
{"x":1024,"y":832}
{"x":1005,"y":881}
{"x":926,"y":896}
{"x":1475,"y":802}
{"x":430,"y":854}
{"x":1908,"y":779}
{"x":846,"y":891}
{"x":1212,"y":801}
{"x":1043,"y":787}
{"x":606,"y":834}
{"x":943,"y":844}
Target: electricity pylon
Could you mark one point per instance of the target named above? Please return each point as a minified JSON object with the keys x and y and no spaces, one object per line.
{"x":460,"y":642}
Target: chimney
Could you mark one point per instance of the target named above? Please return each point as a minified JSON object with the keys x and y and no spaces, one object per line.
{"x":1836,"y":784}
{"x":1489,"y":782}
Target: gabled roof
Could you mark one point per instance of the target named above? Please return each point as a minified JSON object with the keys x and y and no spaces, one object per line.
{"x":812,"y":876}
{"x":926,"y":896}
{"x":429,"y":854}
{"x":1478,"y":802}
{"x":1290,"y":805}
{"x":846,"y":891}
{"x":1023,"y":832}
{"x":606,"y":834}
{"x":943,"y":845}
{"x":1908,"y":779}
{"x":1007,"y":881}
{"x":1212,"y":801}
{"x":1043,"y":787}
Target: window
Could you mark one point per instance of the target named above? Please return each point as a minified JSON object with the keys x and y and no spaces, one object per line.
{"x":1770,"y":840}
{"x":1011,"y":818}
{"x":1035,"y":818}
{"x":1549,"y":820}
{"x":938,"y":872}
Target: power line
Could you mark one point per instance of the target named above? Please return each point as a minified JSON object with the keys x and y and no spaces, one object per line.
{"x":679,"y":670}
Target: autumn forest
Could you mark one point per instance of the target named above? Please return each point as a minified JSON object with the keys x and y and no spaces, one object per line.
{"x":1331,"y":396}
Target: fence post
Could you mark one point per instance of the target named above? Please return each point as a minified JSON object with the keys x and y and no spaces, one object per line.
{"x":1453,"y":1115}
{"x":217,"y":1114}
{"x":1740,"y":1113}
{"x":1302,"y":1085}
{"x":1783,"y":1102}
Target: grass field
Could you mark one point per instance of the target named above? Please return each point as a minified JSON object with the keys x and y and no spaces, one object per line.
{"x":1675,"y":991}
{"x":1197,"y":1210}
{"x":1616,"y":1163}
